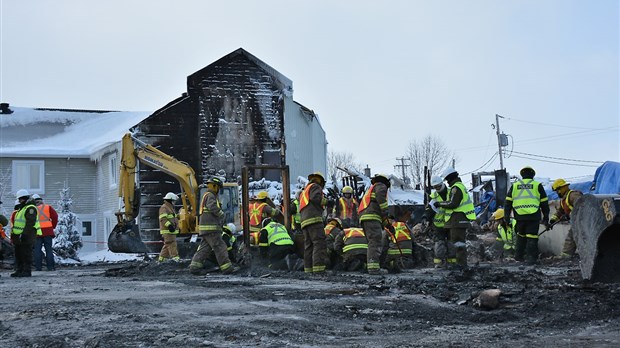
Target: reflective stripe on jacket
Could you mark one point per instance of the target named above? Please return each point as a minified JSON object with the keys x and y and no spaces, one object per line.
{"x":167,"y":217}
{"x":354,"y":238}
{"x":20,"y":221}
{"x":277,"y":235}
{"x":440,"y":216}
{"x":45,"y":221}
{"x":373,"y":206}
{"x":525,"y":196}
{"x":506,"y":234}
{"x":256,"y":215}
{"x":466,"y":205}
{"x":400,"y":241}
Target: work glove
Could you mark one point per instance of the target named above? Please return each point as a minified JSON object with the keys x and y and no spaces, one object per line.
{"x":171,"y":228}
{"x":554,"y":219}
{"x":545,"y":222}
{"x":436,"y":204}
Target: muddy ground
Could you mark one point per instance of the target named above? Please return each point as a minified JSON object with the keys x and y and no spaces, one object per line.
{"x":145,"y":304}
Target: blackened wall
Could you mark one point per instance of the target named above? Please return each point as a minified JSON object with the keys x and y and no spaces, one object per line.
{"x":241,"y":117}
{"x":174,"y":130}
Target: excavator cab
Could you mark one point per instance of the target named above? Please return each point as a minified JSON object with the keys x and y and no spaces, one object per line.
{"x":595,"y":221}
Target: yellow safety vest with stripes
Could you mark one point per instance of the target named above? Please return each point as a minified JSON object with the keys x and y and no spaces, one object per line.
{"x":277,"y":235}
{"x":466,"y":206}
{"x":440,"y":216}
{"x":525,"y":196}
{"x":20,"y":221}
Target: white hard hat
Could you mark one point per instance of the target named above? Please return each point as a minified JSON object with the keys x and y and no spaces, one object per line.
{"x":171,"y":196}
{"x":36,"y":196}
{"x":435,"y":180}
{"x":448,"y":171}
{"x":22,"y":193}
{"x":231,"y":227}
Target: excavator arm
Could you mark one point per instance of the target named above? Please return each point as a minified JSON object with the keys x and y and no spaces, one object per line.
{"x":125,"y":236}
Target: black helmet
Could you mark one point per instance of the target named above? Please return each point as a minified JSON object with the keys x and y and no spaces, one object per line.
{"x":381,"y":178}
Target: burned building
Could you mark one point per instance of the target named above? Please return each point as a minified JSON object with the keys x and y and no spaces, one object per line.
{"x":237,"y":111}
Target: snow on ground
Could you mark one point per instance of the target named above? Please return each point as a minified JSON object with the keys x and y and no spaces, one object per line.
{"x":102,"y":256}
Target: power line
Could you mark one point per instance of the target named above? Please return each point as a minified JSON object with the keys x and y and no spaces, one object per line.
{"x":485,"y":163}
{"x":547,"y":161}
{"x":550,"y":124}
{"x":557,"y":158}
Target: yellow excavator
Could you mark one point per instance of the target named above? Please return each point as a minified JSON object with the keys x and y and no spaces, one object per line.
{"x":125,"y":237}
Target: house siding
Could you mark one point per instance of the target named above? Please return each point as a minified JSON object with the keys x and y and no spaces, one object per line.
{"x":305,"y":141}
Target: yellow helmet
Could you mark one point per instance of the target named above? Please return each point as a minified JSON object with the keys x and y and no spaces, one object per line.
{"x":559,"y":183}
{"x":499,"y":214}
{"x":262,"y":195}
{"x":316,"y":175}
{"x":347,"y":189}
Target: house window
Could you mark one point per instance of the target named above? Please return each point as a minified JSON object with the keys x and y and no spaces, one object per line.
{"x":87,"y":228}
{"x":113,"y":171}
{"x":29,"y":175}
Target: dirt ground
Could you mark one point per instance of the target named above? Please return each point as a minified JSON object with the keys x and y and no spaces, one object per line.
{"x":146,"y":304}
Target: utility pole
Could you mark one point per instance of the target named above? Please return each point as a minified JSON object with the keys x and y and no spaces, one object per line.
{"x":499,"y":141}
{"x":402,"y":166}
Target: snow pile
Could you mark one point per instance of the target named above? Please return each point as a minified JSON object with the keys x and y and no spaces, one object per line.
{"x":108,"y":256}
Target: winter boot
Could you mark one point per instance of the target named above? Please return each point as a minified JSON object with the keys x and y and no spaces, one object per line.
{"x":520,"y":248}
{"x":531,"y":251}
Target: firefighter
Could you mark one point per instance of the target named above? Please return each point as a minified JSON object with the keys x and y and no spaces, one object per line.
{"x":48,"y":219}
{"x":169,"y":228}
{"x":529,"y":201}
{"x":229,"y":238}
{"x":332,"y":229}
{"x":398,"y":246}
{"x":275,"y":244}
{"x":346,"y":208}
{"x":505,"y":233}
{"x":210,"y":230}
{"x":25,"y":229}
{"x":260,"y":207}
{"x":373,"y":211}
{"x":437,"y":215}
{"x":311,"y":205}
{"x":459,"y":214}
{"x":351,"y":243}
{"x":568,"y":198}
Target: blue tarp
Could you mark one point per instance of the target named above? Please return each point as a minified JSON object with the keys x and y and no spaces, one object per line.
{"x":606,"y":181}
{"x":607,"y":178}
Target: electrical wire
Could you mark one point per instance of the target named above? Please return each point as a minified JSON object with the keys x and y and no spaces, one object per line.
{"x":485,"y":163}
{"x":568,"y":135}
{"x":557,"y":158}
{"x":556,"y":162}
{"x":551,"y":124}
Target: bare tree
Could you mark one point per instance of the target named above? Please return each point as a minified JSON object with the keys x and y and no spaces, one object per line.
{"x":343,"y":160}
{"x":430,"y":152}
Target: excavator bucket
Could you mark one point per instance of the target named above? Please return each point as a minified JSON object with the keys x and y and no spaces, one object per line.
{"x":125,"y":238}
{"x":595,"y":222}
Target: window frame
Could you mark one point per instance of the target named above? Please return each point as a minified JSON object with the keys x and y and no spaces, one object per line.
{"x":113,"y":172}
{"x":14,"y":184}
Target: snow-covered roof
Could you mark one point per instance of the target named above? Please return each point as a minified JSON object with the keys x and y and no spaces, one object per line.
{"x":31,"y":132}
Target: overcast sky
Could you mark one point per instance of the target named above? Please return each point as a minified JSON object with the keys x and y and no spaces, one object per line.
{"x":379,"y":74}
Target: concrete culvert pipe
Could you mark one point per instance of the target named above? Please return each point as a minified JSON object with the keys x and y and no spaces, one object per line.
{"x":595,"y":222}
